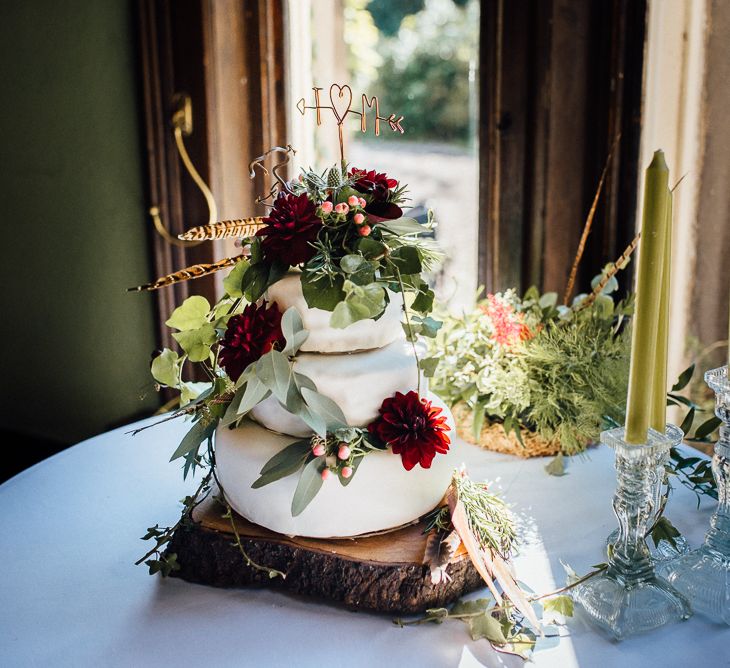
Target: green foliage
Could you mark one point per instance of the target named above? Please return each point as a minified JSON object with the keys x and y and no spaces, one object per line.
{"x":527,"y":363}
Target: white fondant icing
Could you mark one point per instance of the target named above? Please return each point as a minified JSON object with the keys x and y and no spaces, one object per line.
{"x":382,"y":495}
{"x":361,"y":335}
{"x":357,"y":382}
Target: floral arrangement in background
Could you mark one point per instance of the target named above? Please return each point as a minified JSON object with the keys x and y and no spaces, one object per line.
{"x":535,"y":367}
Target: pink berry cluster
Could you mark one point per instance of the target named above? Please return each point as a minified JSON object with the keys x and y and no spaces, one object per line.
{"x":340,"y":459}
{"x":354,"y":203}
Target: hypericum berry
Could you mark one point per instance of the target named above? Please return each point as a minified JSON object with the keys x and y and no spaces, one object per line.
{"x":358,"y":218}
{"x":327,"y":207}
{"x":362,"y":202}
{"x":364,"y":231}
{"x":318,"y":450}
{"x":342,"y":208}
{"x":346,"y":472}
{"x":353,"y":200}
{"x":326,"y":473}
{"x":343,"y":452}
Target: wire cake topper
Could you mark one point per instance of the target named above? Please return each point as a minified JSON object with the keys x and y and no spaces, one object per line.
{"x":340,"y":98}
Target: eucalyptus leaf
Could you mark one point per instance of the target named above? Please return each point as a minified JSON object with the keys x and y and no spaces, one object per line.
{"x":192,"y":440}
{"x":313,"y":420}
{"x":403,"y":226}
{"x":351,"y":263}
{"x":275,"y":372}
{"x":688,"y":420}
{"x":323,"y":406}
{"x":294,"y":399}
{"x":293,"y":330}
{"x":233,"y":283}
{"x":255,"y":392}
{"x":165,"y":368}
{"x":191,"y":314}
{"x":355,"y":465}
{"x":309,"y":484}
{"x":706,"y":428}
{"x":284,"y":463}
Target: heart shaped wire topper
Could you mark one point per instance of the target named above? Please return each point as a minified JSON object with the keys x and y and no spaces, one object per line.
{"x":340,"y":104}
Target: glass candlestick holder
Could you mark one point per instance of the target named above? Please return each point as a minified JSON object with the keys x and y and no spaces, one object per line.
{"x":703,"y":575}
{"x":628,"y":597}
{"x":664,"y":551}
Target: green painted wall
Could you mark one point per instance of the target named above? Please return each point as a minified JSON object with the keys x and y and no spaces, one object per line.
{"x":75,"y":345}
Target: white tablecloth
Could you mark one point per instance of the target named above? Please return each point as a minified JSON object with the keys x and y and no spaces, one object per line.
{"x":70,"y":595}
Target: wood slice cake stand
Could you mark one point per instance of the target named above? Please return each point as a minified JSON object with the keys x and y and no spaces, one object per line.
{"x":383,"y":573}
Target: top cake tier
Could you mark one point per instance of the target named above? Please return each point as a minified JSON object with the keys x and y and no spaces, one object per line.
{"x":361,"y":335}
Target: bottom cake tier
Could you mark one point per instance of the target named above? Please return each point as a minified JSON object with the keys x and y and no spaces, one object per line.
{"x":382,"y":495}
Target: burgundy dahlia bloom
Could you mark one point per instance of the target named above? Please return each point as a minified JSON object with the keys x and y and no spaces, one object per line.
{"x":291,"y":226}
{"x":413,"y":428}
{"x":250,"y":335}
{"x":377,"y":186}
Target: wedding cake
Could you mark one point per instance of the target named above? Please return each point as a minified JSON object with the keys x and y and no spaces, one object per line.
{"x":318,"y":421}
{"x":358,"y":367}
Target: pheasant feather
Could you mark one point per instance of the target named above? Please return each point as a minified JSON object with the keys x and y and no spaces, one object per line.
{"x":194,"y":271}
{"x":227,"y":229}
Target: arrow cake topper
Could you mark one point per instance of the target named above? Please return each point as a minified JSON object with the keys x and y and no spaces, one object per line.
{"x":340,"y":104}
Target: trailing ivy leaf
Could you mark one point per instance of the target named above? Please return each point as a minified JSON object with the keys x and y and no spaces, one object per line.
{"x":231,"y":415}
{"x":428,"y":365}
{"x":360,"y":303}
{"x":198,"y":433}
{"x":284,"y":463}
{"x":563,"y":605}
{"x":427,"y":327}
{"x":472,"y":607}
{"x":556,"y":466}
{"x":256,"y":391}
{"x":706,"y":428}
{"x":351,"y":263}
{"x":275,"y":372}
{"x":321,"y":293}
{"x":407,"y":259}
{"x":423,"y":303}
{"x":684,"y":378}
{"x":687,"y":422}
{"x":664,"y":530}
{"x":323,"y":406}
{"x":191,"y":314}
{"x":486,"y":626}
{"x":233,"y":283}
{"x":310,"y":483}
{"x":293,"y":330}
{"x":371,"y":248}
{"x":165,"y":368}
{"x":197,"y":342}
{"x":403,"y":226}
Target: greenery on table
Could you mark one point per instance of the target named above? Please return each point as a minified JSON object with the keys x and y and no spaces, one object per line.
{"x":564,"y":376}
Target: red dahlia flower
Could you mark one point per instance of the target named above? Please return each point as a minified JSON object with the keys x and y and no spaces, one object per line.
{"x":291,"y":226}
{"x":250,"y":335}
{"x":377,"y":186}
{"x":413,"y":428}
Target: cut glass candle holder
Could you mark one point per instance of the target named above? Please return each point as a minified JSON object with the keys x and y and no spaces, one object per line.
{"x":628,"y":597}
{"x":703,"y":575}
{"x":664,"y":551}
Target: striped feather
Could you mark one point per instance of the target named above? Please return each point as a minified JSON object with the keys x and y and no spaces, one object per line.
{"x":227,"y":229}
{"x":195,"y":271}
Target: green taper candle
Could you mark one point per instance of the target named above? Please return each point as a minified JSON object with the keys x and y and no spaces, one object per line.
{"x":658,"y":419}
{"x":648,"y":297}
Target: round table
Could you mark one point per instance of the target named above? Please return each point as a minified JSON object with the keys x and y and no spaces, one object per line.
{"x":70,"y":532}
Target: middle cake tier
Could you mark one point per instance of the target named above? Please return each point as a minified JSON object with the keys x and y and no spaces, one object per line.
{"x":357,"y":382}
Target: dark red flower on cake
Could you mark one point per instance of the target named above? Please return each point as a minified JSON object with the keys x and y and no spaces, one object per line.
{"x":413,"y":428}
{"x":291,"y":227}
{"x":250,"y":335}
{"x":377,"y":186}
{"x":372,"y":183}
